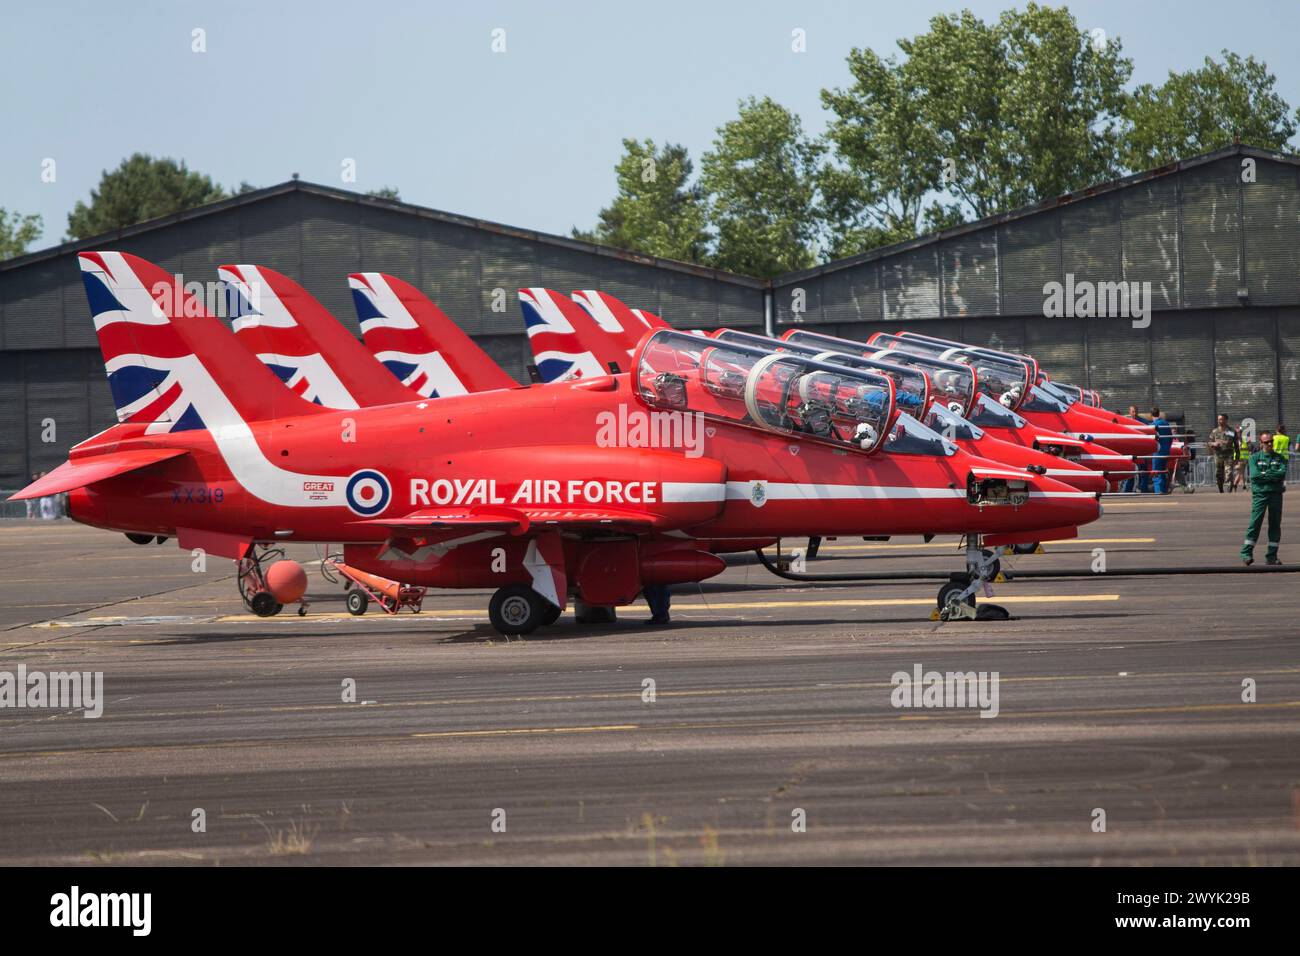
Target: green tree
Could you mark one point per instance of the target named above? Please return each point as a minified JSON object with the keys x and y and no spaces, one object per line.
{"x":385,"y":192}
{"x":17,"y":232}
{"x":886,"y":158}
{"x":974,"y":119}
{"x":761,"y":177}
{"x":657,"y":211}
{"x":141,"y":188}
{"x":1062,"y":101}
{"x":1204,"y":109}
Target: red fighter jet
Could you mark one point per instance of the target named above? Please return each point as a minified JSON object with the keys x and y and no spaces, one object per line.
{"x":914,"y":394}
{"x":597,"y":488}
{"x":615,"y":323}
{"x":961,"y":391}
{"x":1020,"y":372}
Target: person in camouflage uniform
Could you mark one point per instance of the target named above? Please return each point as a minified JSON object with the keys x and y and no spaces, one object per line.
{"x":1267,"y":485}
{"x":1223,"y":443}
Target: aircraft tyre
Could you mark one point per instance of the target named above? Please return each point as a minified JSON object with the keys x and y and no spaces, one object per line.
{"x":517,"y":609}
{"x":264,"y":604}
{"x":954,"y":587}
{"x":584,"y":613}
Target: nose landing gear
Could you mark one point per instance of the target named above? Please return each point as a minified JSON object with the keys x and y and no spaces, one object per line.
{"x":956,"y":597}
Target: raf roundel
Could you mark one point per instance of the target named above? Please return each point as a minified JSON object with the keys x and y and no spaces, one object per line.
{"x":367,"y":492}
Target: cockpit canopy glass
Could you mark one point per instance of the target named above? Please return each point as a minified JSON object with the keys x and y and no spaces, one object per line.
{"x":951,"y":383}
{"x":1041,"y":400}
{"x":910,"y":437}
{"x":911,"y":386}
{"x":1004,"y":380}
{"x":1061,"y":390}
{"x":951,"y":425}
{"x":1028,"y":361}
{"x":775,"y":391}
{"x":991,"y":414}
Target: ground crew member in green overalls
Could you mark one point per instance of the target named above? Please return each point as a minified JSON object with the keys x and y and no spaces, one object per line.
{"x":1267,"y":484}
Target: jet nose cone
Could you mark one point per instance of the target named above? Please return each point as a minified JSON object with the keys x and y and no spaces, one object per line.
{"x":1083,"y":479}
{"x":1059,"y":503}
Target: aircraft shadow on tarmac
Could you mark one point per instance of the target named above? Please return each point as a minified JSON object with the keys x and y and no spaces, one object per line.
{"x":566,"y":630}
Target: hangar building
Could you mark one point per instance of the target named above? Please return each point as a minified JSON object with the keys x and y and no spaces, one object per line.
{"x":1217,"y":237}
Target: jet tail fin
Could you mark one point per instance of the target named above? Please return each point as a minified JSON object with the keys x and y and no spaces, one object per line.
{"x":567,"y":342}
{"x":417,"y":342}
{"x":626,"y":324}
{"x":172,"y":366}
{"x":288,"y":329}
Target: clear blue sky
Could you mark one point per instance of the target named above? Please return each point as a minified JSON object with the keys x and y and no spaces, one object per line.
{"x":413,"y":92}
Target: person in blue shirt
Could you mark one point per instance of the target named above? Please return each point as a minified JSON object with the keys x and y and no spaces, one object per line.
{"x":1160,"y":463}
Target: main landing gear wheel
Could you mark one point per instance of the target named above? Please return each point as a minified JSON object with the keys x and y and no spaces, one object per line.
{"x":1024,"y":548}
{"x":263,"y":604}
{"x":584,"y":613}
{"x":357,"y":602}
{"x":517,"y":609}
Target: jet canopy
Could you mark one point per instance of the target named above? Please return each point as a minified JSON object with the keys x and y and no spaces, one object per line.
{"x":1004,"y":380}
{"x":911,"y":387}
{"x":991,"y":414}
{"x":1042,"y":400}
{"x":774,"y":391}
{"x":951,"y":383}
{"x":1061,"y":390}
{"x":1030,"y":363}
{"x":951,"y":425}
{"x":910,"y":437}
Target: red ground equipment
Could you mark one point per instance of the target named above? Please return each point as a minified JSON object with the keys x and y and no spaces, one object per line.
{"x":362,"y":588}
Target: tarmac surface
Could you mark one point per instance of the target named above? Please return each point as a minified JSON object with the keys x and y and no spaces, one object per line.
{"x":771,"y":707}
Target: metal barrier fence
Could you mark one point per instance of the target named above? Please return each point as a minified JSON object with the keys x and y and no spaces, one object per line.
{"x":1199,"y":472}
{"x":53,"y":507}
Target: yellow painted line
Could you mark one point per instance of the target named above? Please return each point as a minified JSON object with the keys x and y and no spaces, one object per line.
{"x":953,"y":544}
{"x":477,"y":613}
{"x":891,"y":602}
{"x":1138,"y":504}
{"x":1122,"y":711}
{"x":512,"y":731}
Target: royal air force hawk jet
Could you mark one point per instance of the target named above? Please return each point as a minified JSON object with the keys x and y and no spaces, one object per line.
{"x":532,"y":491}
{"x":989,"y":401}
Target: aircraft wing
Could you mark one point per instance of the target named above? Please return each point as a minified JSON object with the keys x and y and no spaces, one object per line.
{"x":80,"y":472}
{"x":518,"y":521}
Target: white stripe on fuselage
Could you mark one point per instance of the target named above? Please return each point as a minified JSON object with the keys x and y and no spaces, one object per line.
{"x":243,"y":456}
{"x":683,"y":492}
